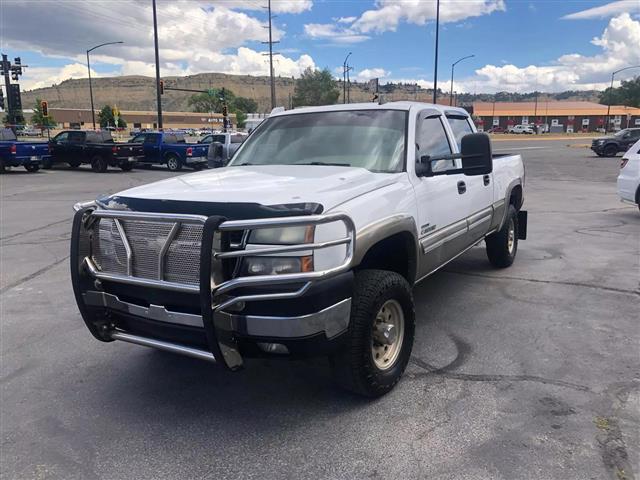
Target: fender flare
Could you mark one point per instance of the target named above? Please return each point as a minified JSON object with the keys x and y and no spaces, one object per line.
{"x":512,"y":185}
{"x":382,"y":229}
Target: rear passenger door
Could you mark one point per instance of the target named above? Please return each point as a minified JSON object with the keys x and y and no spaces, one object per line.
{"x":479,"y":194}
{"x":442,"y":225}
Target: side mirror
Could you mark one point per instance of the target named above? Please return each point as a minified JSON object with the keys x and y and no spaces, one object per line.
{"x":423,"y":167}
{"x":477,"y":158}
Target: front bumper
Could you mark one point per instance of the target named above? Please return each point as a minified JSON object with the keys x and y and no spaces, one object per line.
{"x":220,"y":315}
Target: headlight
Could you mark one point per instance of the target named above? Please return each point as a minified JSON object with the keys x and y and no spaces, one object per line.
{"x":600,"y":142}
{"x":282,"y":236}
{"x":275,"y":265}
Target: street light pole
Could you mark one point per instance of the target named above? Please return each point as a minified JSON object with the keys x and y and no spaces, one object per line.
{"x":157,"y":54}
{"x":606,"y":127}
{"x":453,"y":65}
{"x":435,"y":69}
{"x":93,"y":112}
{"x":344,"y":78}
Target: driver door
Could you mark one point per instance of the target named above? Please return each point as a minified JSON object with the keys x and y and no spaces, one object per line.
{"x":440,"y":199}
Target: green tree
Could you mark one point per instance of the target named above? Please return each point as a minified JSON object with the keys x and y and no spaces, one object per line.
{"x":315,"y":87}
{"x":246,"y":105}
{"x":628,"y":93}
{"x":14,"y":118}
{"x":37,"y":118}
{"x":241,"y":118}
{"x":211,"y":101}
{"x":106,"y":118}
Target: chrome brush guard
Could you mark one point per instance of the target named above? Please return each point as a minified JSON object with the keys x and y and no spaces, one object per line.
{"x":187,"y":253}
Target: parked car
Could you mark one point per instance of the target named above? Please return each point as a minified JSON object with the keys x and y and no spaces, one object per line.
{"x":222,"y":146}
{"x":629,"y":177}
{"x":15,"y":153}
{"x":619,"y":142}
{"x":29,"y":132}
{"x":496,"y":130}
{"x":171,"y":149}
{"x":308,"y":243}
{"x":521,"y":129}
{"x":95,"y":148}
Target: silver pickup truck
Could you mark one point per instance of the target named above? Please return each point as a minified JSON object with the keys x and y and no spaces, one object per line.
{"x":308,"y":243}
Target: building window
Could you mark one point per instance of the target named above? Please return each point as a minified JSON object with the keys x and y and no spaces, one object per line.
{"x":525,"y":120}
{"x":554,"y":122}
{"x":496,"y":121}
{"x":585,"y":122}
{"x":637,"y":122}
{"x":617,"y":120}
{"x":569,"y":128}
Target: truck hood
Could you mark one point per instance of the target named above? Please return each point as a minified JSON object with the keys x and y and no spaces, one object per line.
{"x":267,"y":185}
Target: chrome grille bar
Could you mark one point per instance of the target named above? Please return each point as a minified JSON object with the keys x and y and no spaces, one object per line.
{"x":127,"y":247}
{"x":163,"y":251}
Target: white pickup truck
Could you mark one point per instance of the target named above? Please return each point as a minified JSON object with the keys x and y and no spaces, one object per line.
{"x":308,"y":243}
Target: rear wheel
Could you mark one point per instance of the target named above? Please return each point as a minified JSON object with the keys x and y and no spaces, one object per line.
{"x":47,"y":164}
{"x":173,"y":163}
{"x":32,"y":167}
{"x":380,"y":335}
{"x":610,"y":151}
{"x":502,"y":245}
{"x":99,"y":164}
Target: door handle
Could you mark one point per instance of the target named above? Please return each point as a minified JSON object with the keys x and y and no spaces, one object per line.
{"x":462,"y":187}
{"x":486,"y":180}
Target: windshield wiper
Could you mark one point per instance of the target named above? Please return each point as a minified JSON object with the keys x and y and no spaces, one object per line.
{"x":331,"y":164}
{"x":242,"y":164}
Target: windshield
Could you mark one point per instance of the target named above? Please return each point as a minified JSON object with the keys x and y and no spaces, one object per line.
{"x":621,"y":133}
{"x":371,"y":139}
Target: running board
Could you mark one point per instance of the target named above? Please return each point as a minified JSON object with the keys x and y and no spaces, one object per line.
{"x":166,"y":346}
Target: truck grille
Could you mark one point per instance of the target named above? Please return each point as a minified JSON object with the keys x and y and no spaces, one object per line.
{"x":152,"y":244}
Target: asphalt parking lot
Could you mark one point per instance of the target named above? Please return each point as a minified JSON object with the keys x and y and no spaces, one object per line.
{"x":526,"y":373}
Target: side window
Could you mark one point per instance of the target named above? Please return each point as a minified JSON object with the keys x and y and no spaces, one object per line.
{"x":62,"y":137}
{"x":76,"y":137}
{"x":138,"y":139}
{"x":218,"y":138}
{"x":431,"y":139}
{"x":150,"y":139}
{"x":460,"y":127}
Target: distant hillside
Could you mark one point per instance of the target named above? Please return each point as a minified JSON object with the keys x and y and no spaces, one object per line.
{"x":138,"y":92}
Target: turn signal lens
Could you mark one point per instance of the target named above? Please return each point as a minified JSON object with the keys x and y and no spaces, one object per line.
{"x":623,"y":163}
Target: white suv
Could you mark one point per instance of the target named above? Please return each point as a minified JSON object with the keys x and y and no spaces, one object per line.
{"x":629,"y":177}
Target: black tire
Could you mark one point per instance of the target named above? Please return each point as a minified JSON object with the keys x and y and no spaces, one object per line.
{"x":2,"y":167}
{"x":126,"y":167}
{"x":32,"y":167}
{"x":502,"y":246}
{"x":74,"y":164}
{"x":99,"y":164}
{"x":610,"y":150}
{"x":47,"y":164}
{"x":173,"y":163}
{"x":354,"y":367}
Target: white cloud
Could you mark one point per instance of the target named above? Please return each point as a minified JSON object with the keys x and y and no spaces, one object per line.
{"x":333,"y":33}
{"x":369,"y":73}
{"x":571,"y":71}
{"x":389,"y":13}
{"x":193,"y":38}
{"x":608,"y":10}
{"x":346,"y":19}
{"x":40,"y":77}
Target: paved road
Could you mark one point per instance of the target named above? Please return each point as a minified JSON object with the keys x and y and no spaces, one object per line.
{"x":525,"y":373}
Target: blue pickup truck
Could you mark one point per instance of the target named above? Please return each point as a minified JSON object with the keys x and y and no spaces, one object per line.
{"x":172,"y":150}
{"x":14,"y":153}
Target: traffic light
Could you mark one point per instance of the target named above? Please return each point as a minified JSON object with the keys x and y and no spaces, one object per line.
{"x":161,"y":87}
{"x":17,"y":65}
{"x":225,"y":110}
{"x":44,"y":108}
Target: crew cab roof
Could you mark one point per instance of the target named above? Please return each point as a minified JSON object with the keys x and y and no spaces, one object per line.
{"x":401,"y":105}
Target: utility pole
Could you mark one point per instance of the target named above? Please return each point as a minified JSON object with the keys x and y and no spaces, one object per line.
{"x":155,"y":40}
{"x":606,"y":127}
{"x":345,"y":69}
{"x":435,"y":69}
{"x":6,"y":69}
{"x":93,"y":111}
{"x":271,"y":42}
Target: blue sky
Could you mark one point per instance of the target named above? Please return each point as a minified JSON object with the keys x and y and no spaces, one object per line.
{"x":519,"y":45}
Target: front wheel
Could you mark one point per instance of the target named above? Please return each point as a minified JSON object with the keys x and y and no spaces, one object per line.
{"x":502,"y":245}
{"x":380,"y":335}
{"x":173,"y":163}
{"x":32,"y":167}
{"x":610,"y":151}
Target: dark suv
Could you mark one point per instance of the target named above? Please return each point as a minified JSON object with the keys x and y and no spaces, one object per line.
{"x":620,"y":142}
